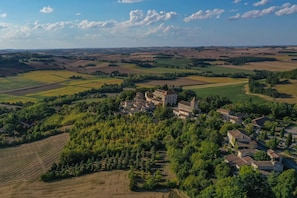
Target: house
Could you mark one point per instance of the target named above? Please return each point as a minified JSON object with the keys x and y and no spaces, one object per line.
{"x":235,"y":136}
{"x":228,"y":115}
{"x":268,"y":166}
{"x":185,"y":109}
{"x":161,"y":97}
{"x":259,"y":122}
{"x":237,"y":162}
{"x":274,"y":156}
{"x":138,"y":104}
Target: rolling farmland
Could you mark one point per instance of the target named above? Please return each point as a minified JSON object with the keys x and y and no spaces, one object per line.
{"x":25,"y":163}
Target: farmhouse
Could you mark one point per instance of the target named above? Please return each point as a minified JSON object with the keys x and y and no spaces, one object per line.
{"x":228,"y":115}
{"x":259,"y":122}
{"x":185,"y":109}
{"x":246,"y":148}
{"x":240,"y":140}
{"x":161,"y":97}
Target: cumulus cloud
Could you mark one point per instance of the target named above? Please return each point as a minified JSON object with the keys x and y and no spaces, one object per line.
{"x":3,"y":15}
{"x":236,"y":1}
{"x":205,"y":14}
{"x":160,"y":29}
{"x":85,"y":24}
{"x":137,"y":17}
{"x":258,"y":13}
{"x":261,"y":3}
{"x":287,"y":9}
{"x":46,"y":10}
{"x":129,"y":1}
{"x":235,"y":17}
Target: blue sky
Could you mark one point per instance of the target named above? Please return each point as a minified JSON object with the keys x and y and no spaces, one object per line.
{"x":140,"y":23}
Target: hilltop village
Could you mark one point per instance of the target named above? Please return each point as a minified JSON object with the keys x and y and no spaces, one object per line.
{"x":246,"y":149}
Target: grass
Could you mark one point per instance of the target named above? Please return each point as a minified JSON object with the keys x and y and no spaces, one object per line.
{"x":235,"y":92}
{"x":51,"y":76}
{"x":155,"y":70}
{"x":14,"y":99}
{"x":289,"y":89}
{"x":34,"y":79}
{"x":76,"y":86}
{"x":172,"y":62}
{"x":223,"y":69}
{"x":210,"y":80}
{"x":16,"y":82}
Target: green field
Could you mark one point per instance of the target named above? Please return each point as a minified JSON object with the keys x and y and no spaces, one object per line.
{"x":235,"y":92}
{"x":36,"y":85}
{"x":156,"y":70}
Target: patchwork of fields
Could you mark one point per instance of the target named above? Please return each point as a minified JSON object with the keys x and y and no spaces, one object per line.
{"x":39,"y":84}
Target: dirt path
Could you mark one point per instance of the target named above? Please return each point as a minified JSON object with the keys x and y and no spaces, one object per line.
{"x":247,"y":91}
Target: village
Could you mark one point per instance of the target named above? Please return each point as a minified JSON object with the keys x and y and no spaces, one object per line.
{"x":240,"y":149}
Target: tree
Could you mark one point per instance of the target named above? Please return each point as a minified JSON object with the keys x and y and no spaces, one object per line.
{"x":222,"y":170}
{"x":289,"y":140}
{"x":286,"y":184}
{"x":282,"y":133}
{"x":272,"y":143}
{"x":261,"y":156}
{"x":253,"y":183}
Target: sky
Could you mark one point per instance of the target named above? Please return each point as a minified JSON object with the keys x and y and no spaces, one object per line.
{"x":48,"y":24}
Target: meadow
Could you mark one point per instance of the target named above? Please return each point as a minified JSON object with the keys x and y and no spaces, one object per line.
{"x":234,"y":91}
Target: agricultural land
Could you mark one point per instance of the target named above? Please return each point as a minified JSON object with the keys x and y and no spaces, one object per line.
{"x":64,"y":131}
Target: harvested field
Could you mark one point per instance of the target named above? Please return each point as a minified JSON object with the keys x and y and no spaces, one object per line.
{"x":25,"y":163}
{"x":176,"y":83}
{"x":111,"y":184}
{"x":29,"y":90}
{"x":290,"y":90}
{"x":269,"y":66}
{"x":191,"y":81}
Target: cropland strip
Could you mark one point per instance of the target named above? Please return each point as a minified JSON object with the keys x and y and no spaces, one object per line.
{"x":29,"y":90}
{"x":28,"y":161}
{"x":109,"y":184}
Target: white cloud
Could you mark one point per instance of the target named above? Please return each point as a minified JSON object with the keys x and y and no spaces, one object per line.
{"x":46,"y":10}
{"x":235,"y":17}
{"x":236,"y":1}
{"x":4,"y":25}
{"x":259,"y":13}
{"x":205,"y":14}
{"x":85,"y":24}
{"x":160,"y":29}
{"x":287,"y":9}
{"x":129,"y":1}
{"x":261,"y":3}
{"x":138,"y":18}
{"x":3,"y":15}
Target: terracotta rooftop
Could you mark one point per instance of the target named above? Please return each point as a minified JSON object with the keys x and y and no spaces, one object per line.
{"x":272,"y":154}
{"x":238,"y":134}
